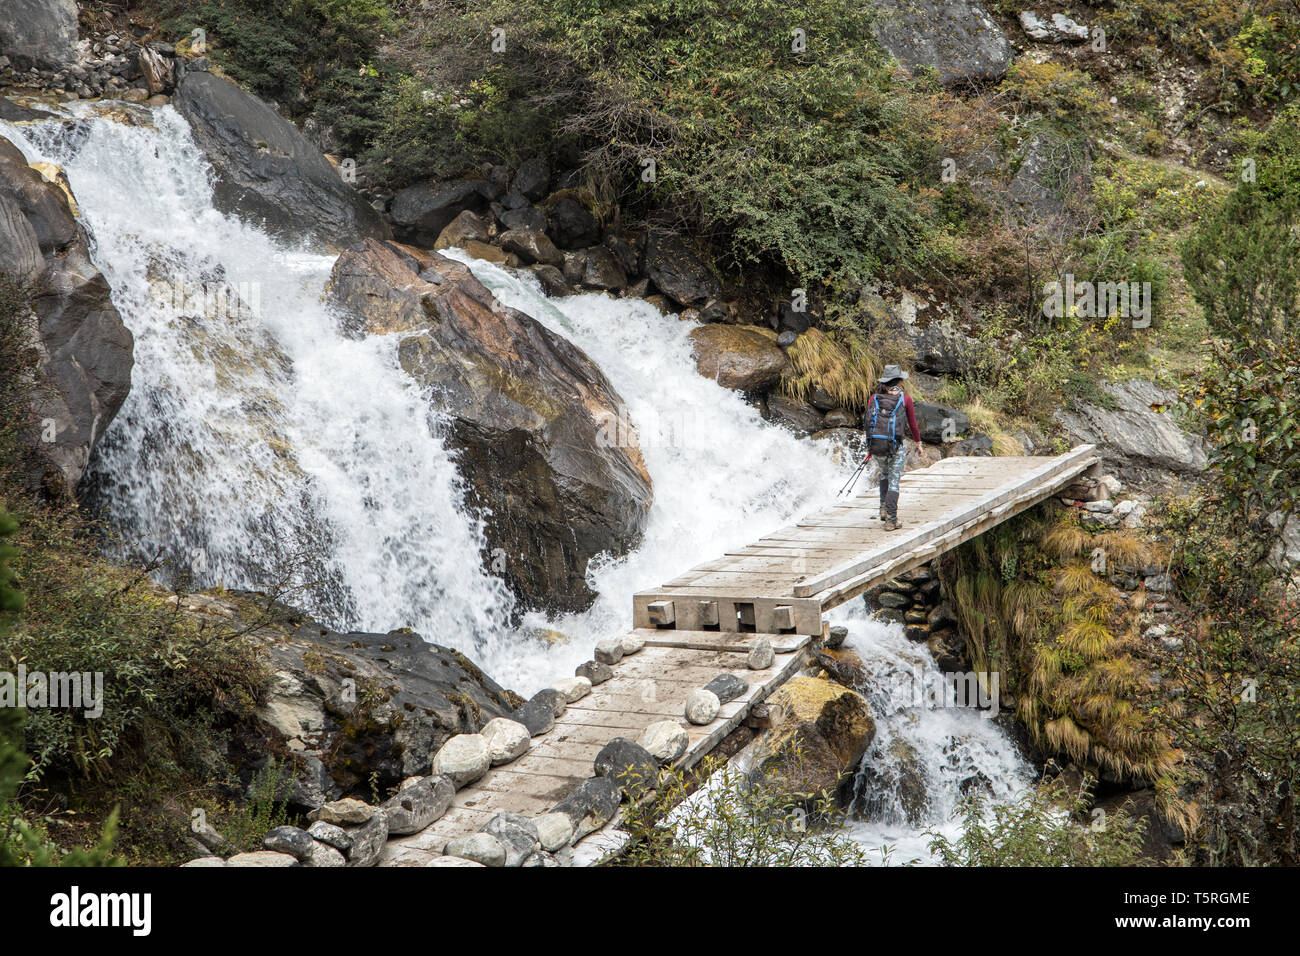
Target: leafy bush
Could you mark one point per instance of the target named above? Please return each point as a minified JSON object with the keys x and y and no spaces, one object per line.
{"x":1245,"y":274}
{"x":734,"y":820}
{"x":1040,"y":829}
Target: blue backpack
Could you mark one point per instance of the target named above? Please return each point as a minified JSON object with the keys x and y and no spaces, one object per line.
{"x":881,"y":423}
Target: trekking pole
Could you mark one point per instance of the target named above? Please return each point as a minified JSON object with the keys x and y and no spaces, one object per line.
{"x":853,"y":479}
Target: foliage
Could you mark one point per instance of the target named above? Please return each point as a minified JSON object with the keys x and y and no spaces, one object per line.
{"x":841,"y":364}
{"x":1033,"y":609}
{"x":734,"y":820}
{"x":265,"y":810}
{"x":1240,"y":656}
{"x":1040,"y":829}
{"x":1245,"y":274}
{"x":283,"y":49}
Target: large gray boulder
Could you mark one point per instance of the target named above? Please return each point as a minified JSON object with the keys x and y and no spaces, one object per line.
{"x":39,"y":33}
{"x":533,"y":420}
{"x":268,"y":171}
{"x":358,"y":708}
{"x":1129,"y":431}
{"x":85,"y":352}
{"x":956,"y":38}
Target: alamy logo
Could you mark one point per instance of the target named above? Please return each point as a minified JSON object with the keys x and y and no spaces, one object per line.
{"x":1093,"y":300}
{"x":74,"y":909}
{"x":974,"y":690}
{"x":65,"y":690}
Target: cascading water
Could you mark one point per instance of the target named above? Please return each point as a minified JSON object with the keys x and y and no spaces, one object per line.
{"x":927,"y":754}
{"x":260,"y":443}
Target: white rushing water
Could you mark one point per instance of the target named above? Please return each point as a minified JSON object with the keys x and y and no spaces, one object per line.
{"x":926,"y":755}
{"x":260,"y":443}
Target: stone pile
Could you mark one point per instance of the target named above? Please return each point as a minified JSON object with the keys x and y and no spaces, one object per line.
{"x":914,"y":599}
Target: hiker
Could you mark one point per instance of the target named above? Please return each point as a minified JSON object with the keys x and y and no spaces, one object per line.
{"x":883,"y":425}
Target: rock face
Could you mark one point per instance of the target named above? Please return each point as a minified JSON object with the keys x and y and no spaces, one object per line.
{"x":820,"y":734}
{"x":676,"y":271}
{"x":267,"y":170}
{"x":39,"y":33}
{"x":362,"y":704}
{"x":422,"y":211}
{"x":738,"y":356}
{"x":1133,"y":432}
{"x":532,"y":418}
{"x":85,"y":351}
{"x":955,"y":37}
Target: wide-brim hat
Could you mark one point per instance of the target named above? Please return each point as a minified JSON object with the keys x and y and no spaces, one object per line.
{"x":892,"y":372}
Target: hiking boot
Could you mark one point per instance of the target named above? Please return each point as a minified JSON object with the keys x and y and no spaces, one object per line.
{"x":891,"y":512}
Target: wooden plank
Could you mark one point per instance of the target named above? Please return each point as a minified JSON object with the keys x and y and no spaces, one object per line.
{"x":1069,"y":464}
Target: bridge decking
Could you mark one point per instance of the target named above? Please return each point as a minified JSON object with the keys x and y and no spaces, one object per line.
{"x":702,"y":623}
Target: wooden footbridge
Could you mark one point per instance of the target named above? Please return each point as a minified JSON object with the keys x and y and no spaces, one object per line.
{"x":704,"y":622}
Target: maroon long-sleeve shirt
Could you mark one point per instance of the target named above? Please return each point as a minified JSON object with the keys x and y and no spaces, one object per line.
{"x":912,"y":428}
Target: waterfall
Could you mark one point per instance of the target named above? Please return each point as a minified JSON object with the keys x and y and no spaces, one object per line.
{"x":262,"y":445}
{"x":925,"y":756}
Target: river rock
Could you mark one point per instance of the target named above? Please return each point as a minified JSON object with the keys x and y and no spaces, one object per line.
{"x":537,"y":715}
{"x":421,"y":212}
{"x":800,"y":417}
{"x":591,"y":805}
{"x":665,"y":740}
{"x":324,"y":856}
{"x":609,"y":651}
{"x":39,"y":33}
{"x":464,"y":758}
{"x":368,"y":841}
{"x":1132,"y":432}
{"x":961,"y":42}
{"x":571,"y":224}
{"x":518,"y":835}
{"x":740,"y":357}
{"x":676,"y":271}
{"x":331,"y":834}
{"x":467,"y":227}
{"x":837,"y":636}
{"x":414,"y":807}
{"x":532,"y":178}
{"x":262,"y":858}
{"x":349,"y":810}
{"x":761,"y":656}
{"x":530,"y":418}
{"x":531,"y":245}
{"x":702,"y":706}
{"x":629,"y":764}
{"x":572,"y":689}
{"x":631,"y":644}
{"x":821,"y":732}
{"x":506,"y":739}
{"x":84,"y":351}
{"x":939,"y":423}
{"x":727,"y":687}
{"x":554,"y":831}
{"x":594,"y":671}
{"x":453,"y":861}
{"x":297,"y":843}
{"x":595,"y":268}
{"x":482,"y":848}
{"x":268,"y":171}
{"x":417,"y":695}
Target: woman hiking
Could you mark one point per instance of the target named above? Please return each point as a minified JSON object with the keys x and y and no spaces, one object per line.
{"x":883,"y":424}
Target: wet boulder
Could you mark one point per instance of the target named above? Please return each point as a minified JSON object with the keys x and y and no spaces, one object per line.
{"x":531,"y":417}
{"x":421,"y":212}
{"x":266,"y":170}
{"x":819,"y":733}
{"x":570,"y":223}
{"x":742,"y":357}
{"x":677,"y":271}
{"x":84,"y":351}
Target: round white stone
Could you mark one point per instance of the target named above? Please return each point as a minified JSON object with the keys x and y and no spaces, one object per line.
{"x":464,"y":758}
{"x":554,"y":830}
{"x":572,"y":688}
{"x":665,"y":740}
{"x":702,"y":706}
{"x":506,"y":739}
